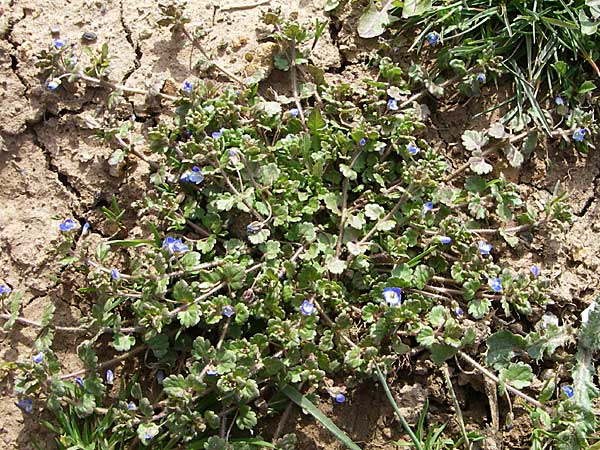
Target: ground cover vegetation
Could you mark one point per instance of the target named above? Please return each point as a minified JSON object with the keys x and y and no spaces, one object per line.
{"x":295,"y":246}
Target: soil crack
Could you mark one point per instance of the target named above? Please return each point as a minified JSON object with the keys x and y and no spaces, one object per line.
{"x":135,"y":46}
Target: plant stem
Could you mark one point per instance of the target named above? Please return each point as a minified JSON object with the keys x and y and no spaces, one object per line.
{"x":122,"y":88}
{"x":392,"y":401}
{"x":508,"y":387}
{"x":295,"y":80}
{"x":459,"y":415}
{"x":32,"y":323}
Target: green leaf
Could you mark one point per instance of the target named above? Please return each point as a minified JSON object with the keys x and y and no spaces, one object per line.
{"x":260,"y":237}
{"x":373,"y":22}
{"x":315,"y":121}
{"x":190,"y":316}
{"x":545,"y":343}
{"x":348,"y":172}
{"x":146,"y":432}
{"x":425,"y":337}
{"x":502,"y":347}
{"x":374,"y":211}
{"x":496,"y":130}
{"x":47,"y":314}
{"x":159,"y":345}
{"x":308,"y":406}
{"x":336,"y":265}
{"x":479,"y":165}
{"x":131,"y":243}
{"x":122,"y":342}
{"x":474,"y":140}
{"x":514,"y":156}
{"x":182,"y":292}
{"x":176,"y":386}
{"x":588,"y":27}
{"x":246,"y":419}
{"x":85,"y":406}
{"x":442,"y":352}
{"x":437,"y":316}
{"x":518,"y":375}
{"x":415,"y":8}
{"x":331,"y":200}
{"x":330,"y":5}
{"x":586,"y":86}
{"x":14,"y":304}
{"x":190,"y":260}
{"x":269,"y":108}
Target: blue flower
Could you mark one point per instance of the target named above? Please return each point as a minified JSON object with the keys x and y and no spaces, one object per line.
{"x":481,"y":77}
{"x":251,"y":228}
{"x":217,"y":134}
{"x":85,"y":229}
{"x":187,"y":87}
{"x":294,"y":112}
{"x":115,"y":275}
{"x":433,"y":37}
{"x":53,"y":84}
{"x":535,"y":270}
{"x":568,"y":390}
{"x":228,"y":311}
{"x":160,"y":376}
{"x":362,"y":142}
{"x":79,"y":381}
{"x":58,"y":43}
{"x":4,"y":289}
{"x":26,"y":405}
{"x":392,"y":296}
{"x":38,"y":358}
{"x":173,"y":245}
{"x":495,"y":284}
{"x":392,"y":104}
{"x":211,"y":372}
{"x":458,"y":311}
{"x":131,"y":406}
{"x":445,"y":239}
{"x":427,"y":207}
{"x":307,"y":308}
{"x":109,"y":376}
{"x":195,"y":176}
{"x":559,"y":101}
{"x":485,"y":248}
{"x":67,"y":226}
{"x":340,"y":398}
{"x":412,"y":149}
{"x":579,"y":134}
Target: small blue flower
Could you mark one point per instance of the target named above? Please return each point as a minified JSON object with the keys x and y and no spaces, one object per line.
{"x":109,"y":376}
{"x":307,"y":308}
{"x":195,"y":176}
{"x":445,"y":239}
{"x":79,"y":381}
{"x":559,"y":101}
{"x":233,"y":153}
{"x":251,"y":228}
{"x":38,"y":358}
{"x":160,"y":376}
{"x":481,"y":77}
{"x":211,"y":372}
{"x":427,"y":207}
{"x":185,"y":177}
{"x":294,"y":112}
{"x":392,"y":296}
{"x":217,"y":134}
{"x":187,"y":87}
{"x":535,"y":270}
{"x":495,"y":284}
{"x":26,"y":405}
{"x":458,"y":311}
{"x":433,"y":37}
{"x":362,"y":142}
{"x":579,"y":134}
{"x":53,"y":84}
{"x":85,"y":229}
{"x":67,"y":226}
{"x":115,"y":275}
{"x":485,"y":248}
{"x":174,"y":246}
{"x":131,"y":406}
{"x":568,"y":390}
{"x":392,"y":104}
{"x":412,"y":149}
{"x":340,"y":398}
{"x":58,"y":43}
{"x":228,"y":311}
{"x":4,"y":289}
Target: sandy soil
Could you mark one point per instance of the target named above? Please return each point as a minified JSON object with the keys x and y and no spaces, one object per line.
{"x":51,"y":168}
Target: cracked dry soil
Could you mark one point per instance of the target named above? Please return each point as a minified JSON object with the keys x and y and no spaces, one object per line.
{"x":51,"y":167}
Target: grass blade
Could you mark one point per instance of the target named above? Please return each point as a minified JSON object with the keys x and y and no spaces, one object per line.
{"x":300,"y":400}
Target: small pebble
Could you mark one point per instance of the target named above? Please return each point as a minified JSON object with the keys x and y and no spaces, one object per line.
{"x":89,"y":36}
{"x":54,"y":30}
